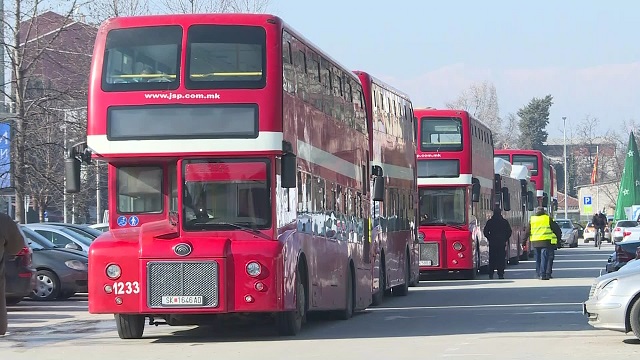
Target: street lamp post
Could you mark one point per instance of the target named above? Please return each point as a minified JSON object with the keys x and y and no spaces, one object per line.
{"x":564,"y":123}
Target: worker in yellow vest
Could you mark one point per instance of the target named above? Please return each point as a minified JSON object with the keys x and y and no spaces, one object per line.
{"x":543,"y":240}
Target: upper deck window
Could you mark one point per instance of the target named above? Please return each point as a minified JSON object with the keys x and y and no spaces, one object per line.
{"x":145,"y":58}
{"x":441,"y":134}
{"x":503,"y":157}
{"x":530,"y":161}
{"x":225,"y":56}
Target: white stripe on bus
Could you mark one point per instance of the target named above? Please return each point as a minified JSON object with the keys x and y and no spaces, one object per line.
{"x":395,"y":171}
{"x":327,"y":160}
{"x":266,"y":141}
{"x":463,"y":179}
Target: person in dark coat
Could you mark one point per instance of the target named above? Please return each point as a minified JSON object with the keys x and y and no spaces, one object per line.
{"x":11,"y":242}
{"x":552,"y":250}
{"x":497,"y":231}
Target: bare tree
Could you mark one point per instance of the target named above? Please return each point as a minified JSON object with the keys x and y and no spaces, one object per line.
{"x":26,"y":47}
{"x":215,"y":6}
{"x":100,"y":10}
{"x":481,"y":101}
{"x":511,"y":133}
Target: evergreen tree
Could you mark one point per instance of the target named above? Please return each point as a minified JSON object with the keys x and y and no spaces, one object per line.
{"x":534,"y":118}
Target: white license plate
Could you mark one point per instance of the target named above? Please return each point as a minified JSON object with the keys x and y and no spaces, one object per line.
{"x":182,"y":300}
{"x":426,"y":263}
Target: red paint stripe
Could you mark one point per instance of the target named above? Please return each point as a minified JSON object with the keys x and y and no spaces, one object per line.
{"x":250,"y":171}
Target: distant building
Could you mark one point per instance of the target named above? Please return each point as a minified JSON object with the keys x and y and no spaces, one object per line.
{"x":598,"y":197}
{"x":573,"y":207}
{"x":583,"y":151}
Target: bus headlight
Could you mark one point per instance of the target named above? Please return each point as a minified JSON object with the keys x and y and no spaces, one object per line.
{"x":254,"y":269}
{"x":457,"y":246}
{"x":113,"y":271}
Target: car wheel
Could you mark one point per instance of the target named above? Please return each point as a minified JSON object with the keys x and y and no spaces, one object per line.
{"x":47,"y":286}
{"x":634,"y":318}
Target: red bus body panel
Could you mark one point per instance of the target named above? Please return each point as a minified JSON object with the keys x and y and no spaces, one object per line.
{"x":392,"y":147}
{"x":475,"y":159}
{"x":328,"y":152}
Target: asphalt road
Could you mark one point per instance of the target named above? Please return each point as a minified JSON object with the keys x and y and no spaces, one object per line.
{"x":516,"y":318}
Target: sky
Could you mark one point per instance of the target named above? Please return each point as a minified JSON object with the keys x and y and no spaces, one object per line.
{"x":586,"y":54}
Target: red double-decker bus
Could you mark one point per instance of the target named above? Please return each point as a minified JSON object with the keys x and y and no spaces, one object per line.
{"x":527,"y":201}
{"x":455,"y":185}
{"x":392,"y":148}
{"x":508,"y":196}
{"x":540,"y":166}
{"x":238,"y":172}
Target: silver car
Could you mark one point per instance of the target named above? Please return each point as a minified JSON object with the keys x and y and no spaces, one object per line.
{"x":614,"y":300}
{"x":569,"y":232}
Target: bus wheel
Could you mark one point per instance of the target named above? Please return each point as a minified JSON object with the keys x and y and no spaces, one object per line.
{"x":403,"y":290}
{"x":289,"y":323}
{"x":379,"y":296}
{"x":129,"y":326}
{"x":347,"y":313}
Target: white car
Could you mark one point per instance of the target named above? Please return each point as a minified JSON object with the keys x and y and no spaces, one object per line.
{"x":631,"y":234}
{"x":622,"y":226}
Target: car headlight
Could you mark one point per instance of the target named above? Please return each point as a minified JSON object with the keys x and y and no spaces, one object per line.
{"x":75,"y":265}
{"x":603,"y":291}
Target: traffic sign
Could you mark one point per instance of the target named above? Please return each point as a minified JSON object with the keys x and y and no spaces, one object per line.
{"x":586,"y":200}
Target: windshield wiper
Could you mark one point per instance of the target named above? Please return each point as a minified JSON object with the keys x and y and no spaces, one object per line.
{"x":234,"y":225}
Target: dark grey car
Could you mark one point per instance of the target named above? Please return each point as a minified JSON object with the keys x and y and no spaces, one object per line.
{"x":60,"y":272}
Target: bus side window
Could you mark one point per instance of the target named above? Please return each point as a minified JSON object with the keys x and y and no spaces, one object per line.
{"x":173,"y":187}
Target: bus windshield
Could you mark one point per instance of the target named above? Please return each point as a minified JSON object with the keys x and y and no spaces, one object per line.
{"x":442,"y":206}
{"x":222,"y":194}
{"x":530,"y":161}
{"x":441,"y":134}
{"x":145,"y":58}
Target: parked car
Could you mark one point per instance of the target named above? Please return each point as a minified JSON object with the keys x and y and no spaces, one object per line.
{"x":614,"y":302}
{"x":620,"y":228}
{"x":61,"y":273}
{"x":631,"y":234}
{"x":20,"y":275}
{"x":62,"y":236}
{"x":569,"y":233}
{"x":624,"y":252}
{"x":82,"y":229}
{"x":590,"y":233}
{"x":101,"y":227}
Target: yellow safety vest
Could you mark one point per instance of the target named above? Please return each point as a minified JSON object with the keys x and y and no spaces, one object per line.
{"x":541,"y":229}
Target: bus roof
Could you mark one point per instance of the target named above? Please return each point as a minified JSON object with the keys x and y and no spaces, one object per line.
{"x":221,"y":18}
{"x":432,"y":112}
{"x":383,"y":84}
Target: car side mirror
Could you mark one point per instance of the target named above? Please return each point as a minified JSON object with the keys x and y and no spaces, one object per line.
{"x":72,"y":246}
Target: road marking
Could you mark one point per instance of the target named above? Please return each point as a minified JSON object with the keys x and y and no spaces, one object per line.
{"x":546,"y":312}
{"x":471,"y":306}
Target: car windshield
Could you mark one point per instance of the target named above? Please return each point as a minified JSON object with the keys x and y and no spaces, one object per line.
{"x":627,"y":223}
{"x":83,"y":233}
{"x":565,"y":224}
{"x":82,"y":238}
{"x":226,"y":194}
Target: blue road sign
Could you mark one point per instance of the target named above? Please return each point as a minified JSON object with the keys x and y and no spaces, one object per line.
{"x":5,"y":155}
{"x":586,"y":200}
{"x":133,"y":220}
{"x":122,"y":221}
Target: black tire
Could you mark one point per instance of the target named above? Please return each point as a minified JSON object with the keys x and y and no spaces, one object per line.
{"x":634,"y":318}
{"x":379,"y":296}
{"x":47,"y":286}
{"x":129,"y":326}
{"x":289,"y":323}
{"x":13,"y":300}
{"x":403,"y":290}
{"x":347,"y":313}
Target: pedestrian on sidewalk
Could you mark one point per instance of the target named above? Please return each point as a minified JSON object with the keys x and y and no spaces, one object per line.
{"x":11,"y":242}
{"x":541,"y":238}
{"x":498,"y":231}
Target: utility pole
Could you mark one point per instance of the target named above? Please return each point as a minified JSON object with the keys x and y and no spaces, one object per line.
{"x":566,"y":188}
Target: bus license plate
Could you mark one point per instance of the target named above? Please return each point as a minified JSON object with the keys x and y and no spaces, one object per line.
{"x":182,"y":300}
{"x":426,"y":263}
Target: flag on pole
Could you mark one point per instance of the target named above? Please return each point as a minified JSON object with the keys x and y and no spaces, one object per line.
{"x":629,"y":193}
{"x":594,"y":172}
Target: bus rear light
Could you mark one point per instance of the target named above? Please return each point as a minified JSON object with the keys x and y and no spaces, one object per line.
{"x":248,"y":299}
{"x":259,"y":286}
{"x":113,"y":271}
{"x":108,"y":289}
{"x":254,"y":269}
{"x":119,"y":300}
{"x":457,"y":246}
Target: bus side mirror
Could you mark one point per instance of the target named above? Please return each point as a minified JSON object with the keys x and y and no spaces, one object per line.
{"x":378,"y":188}
{"x":530,"y":201}
{"x":545,"y":201}
{"x":72,"y":174}
{"x":288,"y":170}
{"x":506,"y":199}
{"x":475,"y":190}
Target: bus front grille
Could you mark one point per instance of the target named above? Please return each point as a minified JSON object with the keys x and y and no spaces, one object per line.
{"x":184,"y":278}
{"x":429,"y":254}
